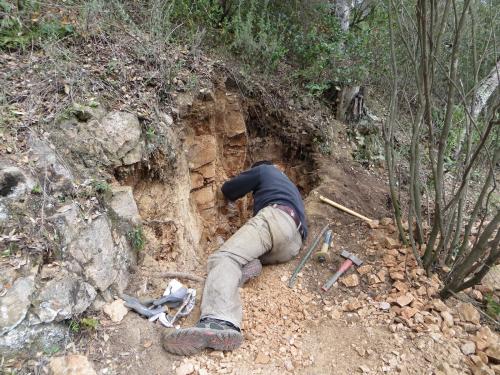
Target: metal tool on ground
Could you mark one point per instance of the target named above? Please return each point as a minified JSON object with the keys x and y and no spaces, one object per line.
{"x":322,"y":254}
{"x":350,"y":260}
{"x":184,"y":310}
{"x":175,"y":295}
{"x":308,"y":254}
{"x":345,"y":209}
{"x":134,"y":304}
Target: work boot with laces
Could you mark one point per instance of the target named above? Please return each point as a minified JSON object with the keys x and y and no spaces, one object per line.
{"x":208,"y":333}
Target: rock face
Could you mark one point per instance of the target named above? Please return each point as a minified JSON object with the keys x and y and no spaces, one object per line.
{"x":110,"y":139}
{"x":60,"y":178}
{"x":123,"y":204}
{"x":71,"y":365}
{"x":15,"y":303}
{"x":93,"y":254}
{"x":36,"y":337}
{"x":62,"y":297}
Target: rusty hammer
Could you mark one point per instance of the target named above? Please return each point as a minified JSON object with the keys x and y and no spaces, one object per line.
{"x":350,"y":260}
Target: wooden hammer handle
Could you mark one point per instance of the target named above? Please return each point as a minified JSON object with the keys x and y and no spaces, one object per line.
{"x":345,"y":209}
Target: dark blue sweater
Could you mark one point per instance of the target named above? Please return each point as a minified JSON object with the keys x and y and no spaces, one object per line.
{"x":268,"y":185}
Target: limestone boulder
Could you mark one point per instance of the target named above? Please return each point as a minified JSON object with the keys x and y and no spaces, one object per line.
{"x":60,"y":177}
{"x":15,"y":303}
{"x":94,"y":251}
{"x":15,"y":183}
{"x":31,"y":337}
{"x":62,"y":297}
{"x":119,"y":134}
{"x":94,"y":254}
{"x":123,"y":204}
{"x":98,"y":138}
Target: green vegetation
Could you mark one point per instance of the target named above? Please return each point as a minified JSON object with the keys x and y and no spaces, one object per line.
{"x":492,"y":306}
{"x":37,"y":189}
{"x":150,"y":133}
{"x":20,"y":29}
{"x":100,"y":187}
{"x":137,"y":238}
{"x":83,"y":324}
{"x":54,"y":349}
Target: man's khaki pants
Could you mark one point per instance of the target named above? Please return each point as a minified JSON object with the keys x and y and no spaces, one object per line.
{"x":271,"y":236}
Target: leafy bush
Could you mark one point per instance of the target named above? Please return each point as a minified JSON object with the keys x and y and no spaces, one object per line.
{"x":257,"y":38}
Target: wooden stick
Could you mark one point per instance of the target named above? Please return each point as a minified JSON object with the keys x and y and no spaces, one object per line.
{"x":345,"y":209}
{"x":179,"y":275}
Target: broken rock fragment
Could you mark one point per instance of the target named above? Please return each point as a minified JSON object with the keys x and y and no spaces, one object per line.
{"x":352,"y":304}
{"x":404,"y":300}
{"x":468,"y":313}
{"x":262,"y":359}
{"x":468,"y":348}
{"x":74,"y":364}
{"x":116,"y":310}
{"x":350,"y":280}
{"x":364,"y":269}
{"x":408,"y":312}
{"x":390,"y":243}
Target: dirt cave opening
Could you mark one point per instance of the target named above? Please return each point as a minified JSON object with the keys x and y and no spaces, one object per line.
{"x":185,"y":217}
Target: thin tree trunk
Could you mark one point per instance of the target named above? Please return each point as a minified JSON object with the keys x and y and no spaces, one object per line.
{"x":459,"y":273}
{"x":439,"y":203}
{"x":388,"y":129}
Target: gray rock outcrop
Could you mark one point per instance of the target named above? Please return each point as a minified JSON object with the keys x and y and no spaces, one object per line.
{"x":123,"y":205}
{"x":15,"y":303}
{"x":62,"y":297}
{"x":100,"y":139}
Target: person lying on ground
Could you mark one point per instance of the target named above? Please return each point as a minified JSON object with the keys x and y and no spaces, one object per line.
{"x":273,"y":235}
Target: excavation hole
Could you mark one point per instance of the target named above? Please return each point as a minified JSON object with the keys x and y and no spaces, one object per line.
{"x":185,"y":216}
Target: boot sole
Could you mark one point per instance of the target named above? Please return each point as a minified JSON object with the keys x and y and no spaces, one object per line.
{"x":189,"y":341}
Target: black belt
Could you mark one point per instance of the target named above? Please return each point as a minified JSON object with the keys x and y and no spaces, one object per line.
{"x":291,"y":212}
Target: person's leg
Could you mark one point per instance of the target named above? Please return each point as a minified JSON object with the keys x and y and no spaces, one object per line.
{"x":221,"y":297}
{"x":221,"y":311}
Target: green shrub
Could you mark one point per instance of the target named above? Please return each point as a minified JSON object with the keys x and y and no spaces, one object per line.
{"x":17,"y":31}
{"x":257,"y":37}
{"x":100,"y":187}
{"x":83,"y":324}
{"x":137,"y":238}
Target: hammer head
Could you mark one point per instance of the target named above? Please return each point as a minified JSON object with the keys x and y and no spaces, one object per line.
{"x":358,"y":262}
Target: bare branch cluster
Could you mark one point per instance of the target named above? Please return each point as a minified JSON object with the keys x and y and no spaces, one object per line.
{"x":453,"y":146}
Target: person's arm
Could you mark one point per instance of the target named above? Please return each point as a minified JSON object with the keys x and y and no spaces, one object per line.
{"x":242,"y":184}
